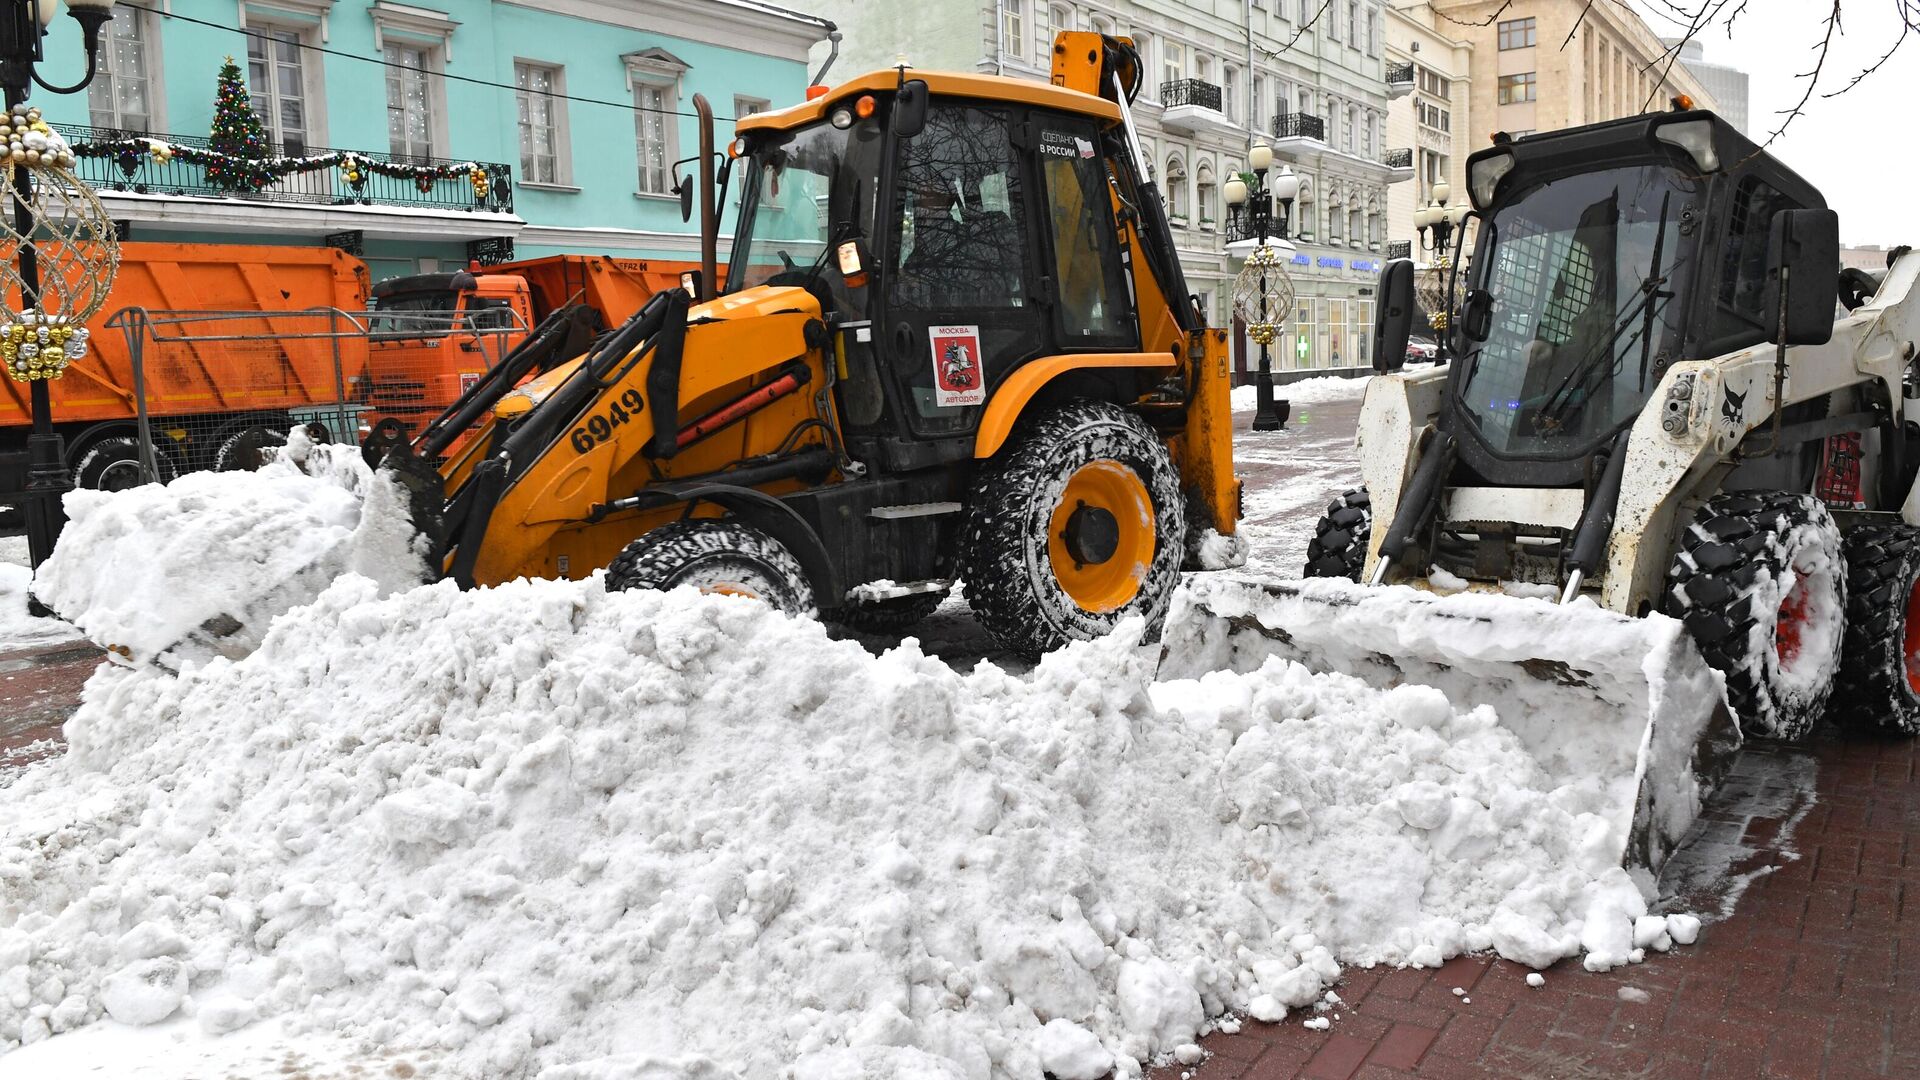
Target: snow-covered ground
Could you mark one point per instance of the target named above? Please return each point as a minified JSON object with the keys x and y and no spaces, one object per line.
{"x":547,"y":831}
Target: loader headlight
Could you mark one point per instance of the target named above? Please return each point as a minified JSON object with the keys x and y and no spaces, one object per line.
{"x":1693,"y":136}
{"x":1484,"y":175}
{"x":841,"y":118}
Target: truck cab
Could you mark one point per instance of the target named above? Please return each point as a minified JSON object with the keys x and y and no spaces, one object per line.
{"x":431,"y":336}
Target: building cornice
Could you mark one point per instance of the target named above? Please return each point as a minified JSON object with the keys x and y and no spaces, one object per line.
{"x":766,"y":30}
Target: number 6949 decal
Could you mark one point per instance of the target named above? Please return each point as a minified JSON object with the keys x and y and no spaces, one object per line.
{"x":598,"y":428}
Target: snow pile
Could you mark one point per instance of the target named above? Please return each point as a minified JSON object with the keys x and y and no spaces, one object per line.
{"x":138,"y":572}
{"x":19,"y":627}
{"x":586,"y":836}
{"x":1305,"y":392}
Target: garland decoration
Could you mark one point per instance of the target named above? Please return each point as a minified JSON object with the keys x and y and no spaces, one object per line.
{"x":355,"y":167}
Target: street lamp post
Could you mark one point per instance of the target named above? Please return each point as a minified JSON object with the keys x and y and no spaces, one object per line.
{"x":1257,"y":204}
{"x":22,"y":26}
{"x":1440,"y":231}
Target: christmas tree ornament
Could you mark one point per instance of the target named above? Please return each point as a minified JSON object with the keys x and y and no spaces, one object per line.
{"x":76,"y":251}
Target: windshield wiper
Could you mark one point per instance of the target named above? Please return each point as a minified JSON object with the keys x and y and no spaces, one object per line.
{"x":1645,"y":307}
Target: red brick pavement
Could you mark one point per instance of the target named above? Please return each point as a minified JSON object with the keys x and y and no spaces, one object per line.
{"x":1801,"y":982}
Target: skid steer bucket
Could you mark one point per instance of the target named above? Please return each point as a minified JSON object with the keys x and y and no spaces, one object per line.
{"x":1604,"y":702}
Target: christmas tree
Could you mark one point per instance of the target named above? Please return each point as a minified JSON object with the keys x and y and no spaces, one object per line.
{"x":239,"y":139}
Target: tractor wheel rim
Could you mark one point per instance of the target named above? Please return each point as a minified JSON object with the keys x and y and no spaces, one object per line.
{"x":1910,"y":643}
{"x":1103,"y":511}
{"x":1791,"y":622}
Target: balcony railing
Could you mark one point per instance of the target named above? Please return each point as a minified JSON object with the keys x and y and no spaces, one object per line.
{"x":1299,"y":126}
{"x":1400,"y":73}
{"x":1398,"y":159}
{"x":1239,"y":225}
{"x":121,"y":161}
{"x":1400,"y":249}
{"x":1190,"y":92}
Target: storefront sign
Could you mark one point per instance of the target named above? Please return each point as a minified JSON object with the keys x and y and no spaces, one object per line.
{"x":1369,"y":265}
{"x":1328,"y":262}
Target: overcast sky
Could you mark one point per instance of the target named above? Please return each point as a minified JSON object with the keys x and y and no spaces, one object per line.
{"x":1861,"y":149}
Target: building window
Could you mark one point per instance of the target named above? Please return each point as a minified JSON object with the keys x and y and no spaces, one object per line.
{"x":653,"y":132}
{"x":277,"y":85}
{"x":1353,"y":124}
{"x":121,"y":96}
{"x":1176,"y":181}
{"x":1306,"y":10}
{"x":1173,"y":61}
{"x":1257,"y":104}
{"x":1353,"y":24}
{"x":1373,"y":32}
{"x":747,"y":106}
{"x":409,"y":102}
{"x":1230,"y":91}
{"x":1011,"y":27}
{"x":535,"y":87}
{"x":1515,"y":34}
{"x":1203,"y":188}
{"x":1515,"y":89}
{"x":1057,"y":19}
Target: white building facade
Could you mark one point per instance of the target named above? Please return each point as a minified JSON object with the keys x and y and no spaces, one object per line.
{"x":1306,"y":76}
{"x":1427,"y":83}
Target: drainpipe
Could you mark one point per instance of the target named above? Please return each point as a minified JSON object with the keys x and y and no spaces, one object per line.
{"x":999,"y":38}
{"x":833,"y":40}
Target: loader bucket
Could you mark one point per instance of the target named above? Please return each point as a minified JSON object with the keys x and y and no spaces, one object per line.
{"x":1591,"y":694}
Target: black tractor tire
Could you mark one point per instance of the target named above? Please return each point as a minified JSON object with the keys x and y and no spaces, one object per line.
{"x":245,"y":450}
{"x":1340,"y":538}
{"x":1760,"y":583}
{"x":889,"y":616}
{"x":1120,"y":564}
{"x":715,"y":555}
{"x":1879,"y":684}
{"x":113,"y":464}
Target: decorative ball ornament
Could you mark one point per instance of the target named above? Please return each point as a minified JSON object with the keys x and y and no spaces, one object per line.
{"x":75,"y":247}
{"x":1263,"y":294}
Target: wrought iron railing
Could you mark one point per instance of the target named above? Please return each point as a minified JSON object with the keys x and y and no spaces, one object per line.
{"x":1400,"y":73}
{"x":1400,"y":249}
{"x":1240,"y":225}
{"x":115,"y":161}
{"x":1190,"y":92}
{"x":1398,"y":159}
{"x":1299,"y":126}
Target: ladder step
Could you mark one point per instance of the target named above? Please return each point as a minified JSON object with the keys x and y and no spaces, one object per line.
{"x":914,"y":510}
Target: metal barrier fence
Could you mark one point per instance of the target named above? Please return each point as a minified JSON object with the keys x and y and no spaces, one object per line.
{"x":215,"y":389}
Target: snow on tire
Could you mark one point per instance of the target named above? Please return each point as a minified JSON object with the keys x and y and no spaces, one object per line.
{"x":1760,"y":583}
{"x":1879,"y":684}
{"x":1340,"y":537}
{"x":1076,"y":524}
{"x":113,"y":464}
{"x":718,"y":555}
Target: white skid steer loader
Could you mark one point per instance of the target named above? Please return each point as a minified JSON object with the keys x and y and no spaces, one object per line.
{"x":1650,"y":410}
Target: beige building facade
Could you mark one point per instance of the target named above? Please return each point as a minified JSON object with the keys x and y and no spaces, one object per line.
{"x":1428,"y":78}
{"x":1532,"y":70}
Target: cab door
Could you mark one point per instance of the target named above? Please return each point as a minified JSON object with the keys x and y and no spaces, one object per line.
{"x":964,"y":286}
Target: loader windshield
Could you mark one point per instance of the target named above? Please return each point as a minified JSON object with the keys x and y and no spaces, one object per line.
{"x":1587,"y":274}
{"x":806,"y":190}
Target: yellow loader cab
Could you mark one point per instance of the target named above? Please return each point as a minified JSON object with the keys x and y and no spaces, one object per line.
{"x":955,"y":344}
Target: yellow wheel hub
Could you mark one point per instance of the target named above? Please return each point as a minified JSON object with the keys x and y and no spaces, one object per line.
{"x":1100,"y":538}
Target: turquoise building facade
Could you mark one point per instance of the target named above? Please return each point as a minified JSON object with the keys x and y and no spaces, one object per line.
{"x":477,"y":129}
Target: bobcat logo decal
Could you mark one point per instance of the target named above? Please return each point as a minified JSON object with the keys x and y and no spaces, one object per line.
{"x":1734,"y":408}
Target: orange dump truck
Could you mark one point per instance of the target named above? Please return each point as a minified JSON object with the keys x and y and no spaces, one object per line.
{"x":240,"y":342}
{"x":199,"y":393}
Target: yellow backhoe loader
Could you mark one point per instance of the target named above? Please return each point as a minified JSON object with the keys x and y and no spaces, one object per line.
{"x":955,"y":344}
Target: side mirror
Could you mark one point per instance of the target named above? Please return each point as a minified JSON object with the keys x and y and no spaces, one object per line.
{"x":1393,"y":316}
{"x":683,"y":187}
{"x":463,"y":281}
{"x":690,"y":281}
{"x":1803,"y":276}
{"x":1476,"y":315}
{"x":910,"y":109}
